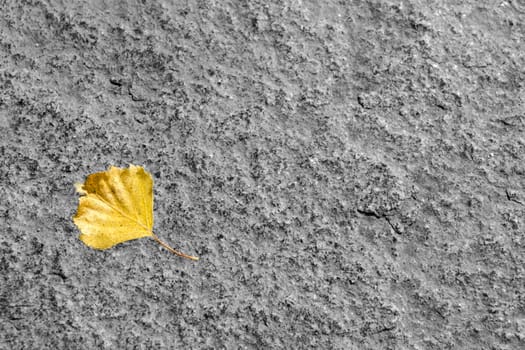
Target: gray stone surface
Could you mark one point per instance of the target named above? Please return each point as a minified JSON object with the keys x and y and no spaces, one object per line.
{"x":351,"y":173}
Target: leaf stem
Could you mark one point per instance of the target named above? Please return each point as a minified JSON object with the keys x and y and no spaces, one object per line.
{"x":176,"y":252}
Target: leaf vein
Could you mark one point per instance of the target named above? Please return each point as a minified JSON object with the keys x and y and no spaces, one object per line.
{"x":121,"y":212}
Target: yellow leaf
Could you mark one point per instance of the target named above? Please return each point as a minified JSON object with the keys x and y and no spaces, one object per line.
{"x":117,"y":206}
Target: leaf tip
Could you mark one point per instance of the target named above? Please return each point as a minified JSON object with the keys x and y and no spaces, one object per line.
{"x":80,"y":188}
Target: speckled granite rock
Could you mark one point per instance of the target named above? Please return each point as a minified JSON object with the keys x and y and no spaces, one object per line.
{"x":351,"y":173}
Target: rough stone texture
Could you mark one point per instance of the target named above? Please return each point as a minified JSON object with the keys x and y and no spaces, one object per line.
{"x":351,"y":173}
